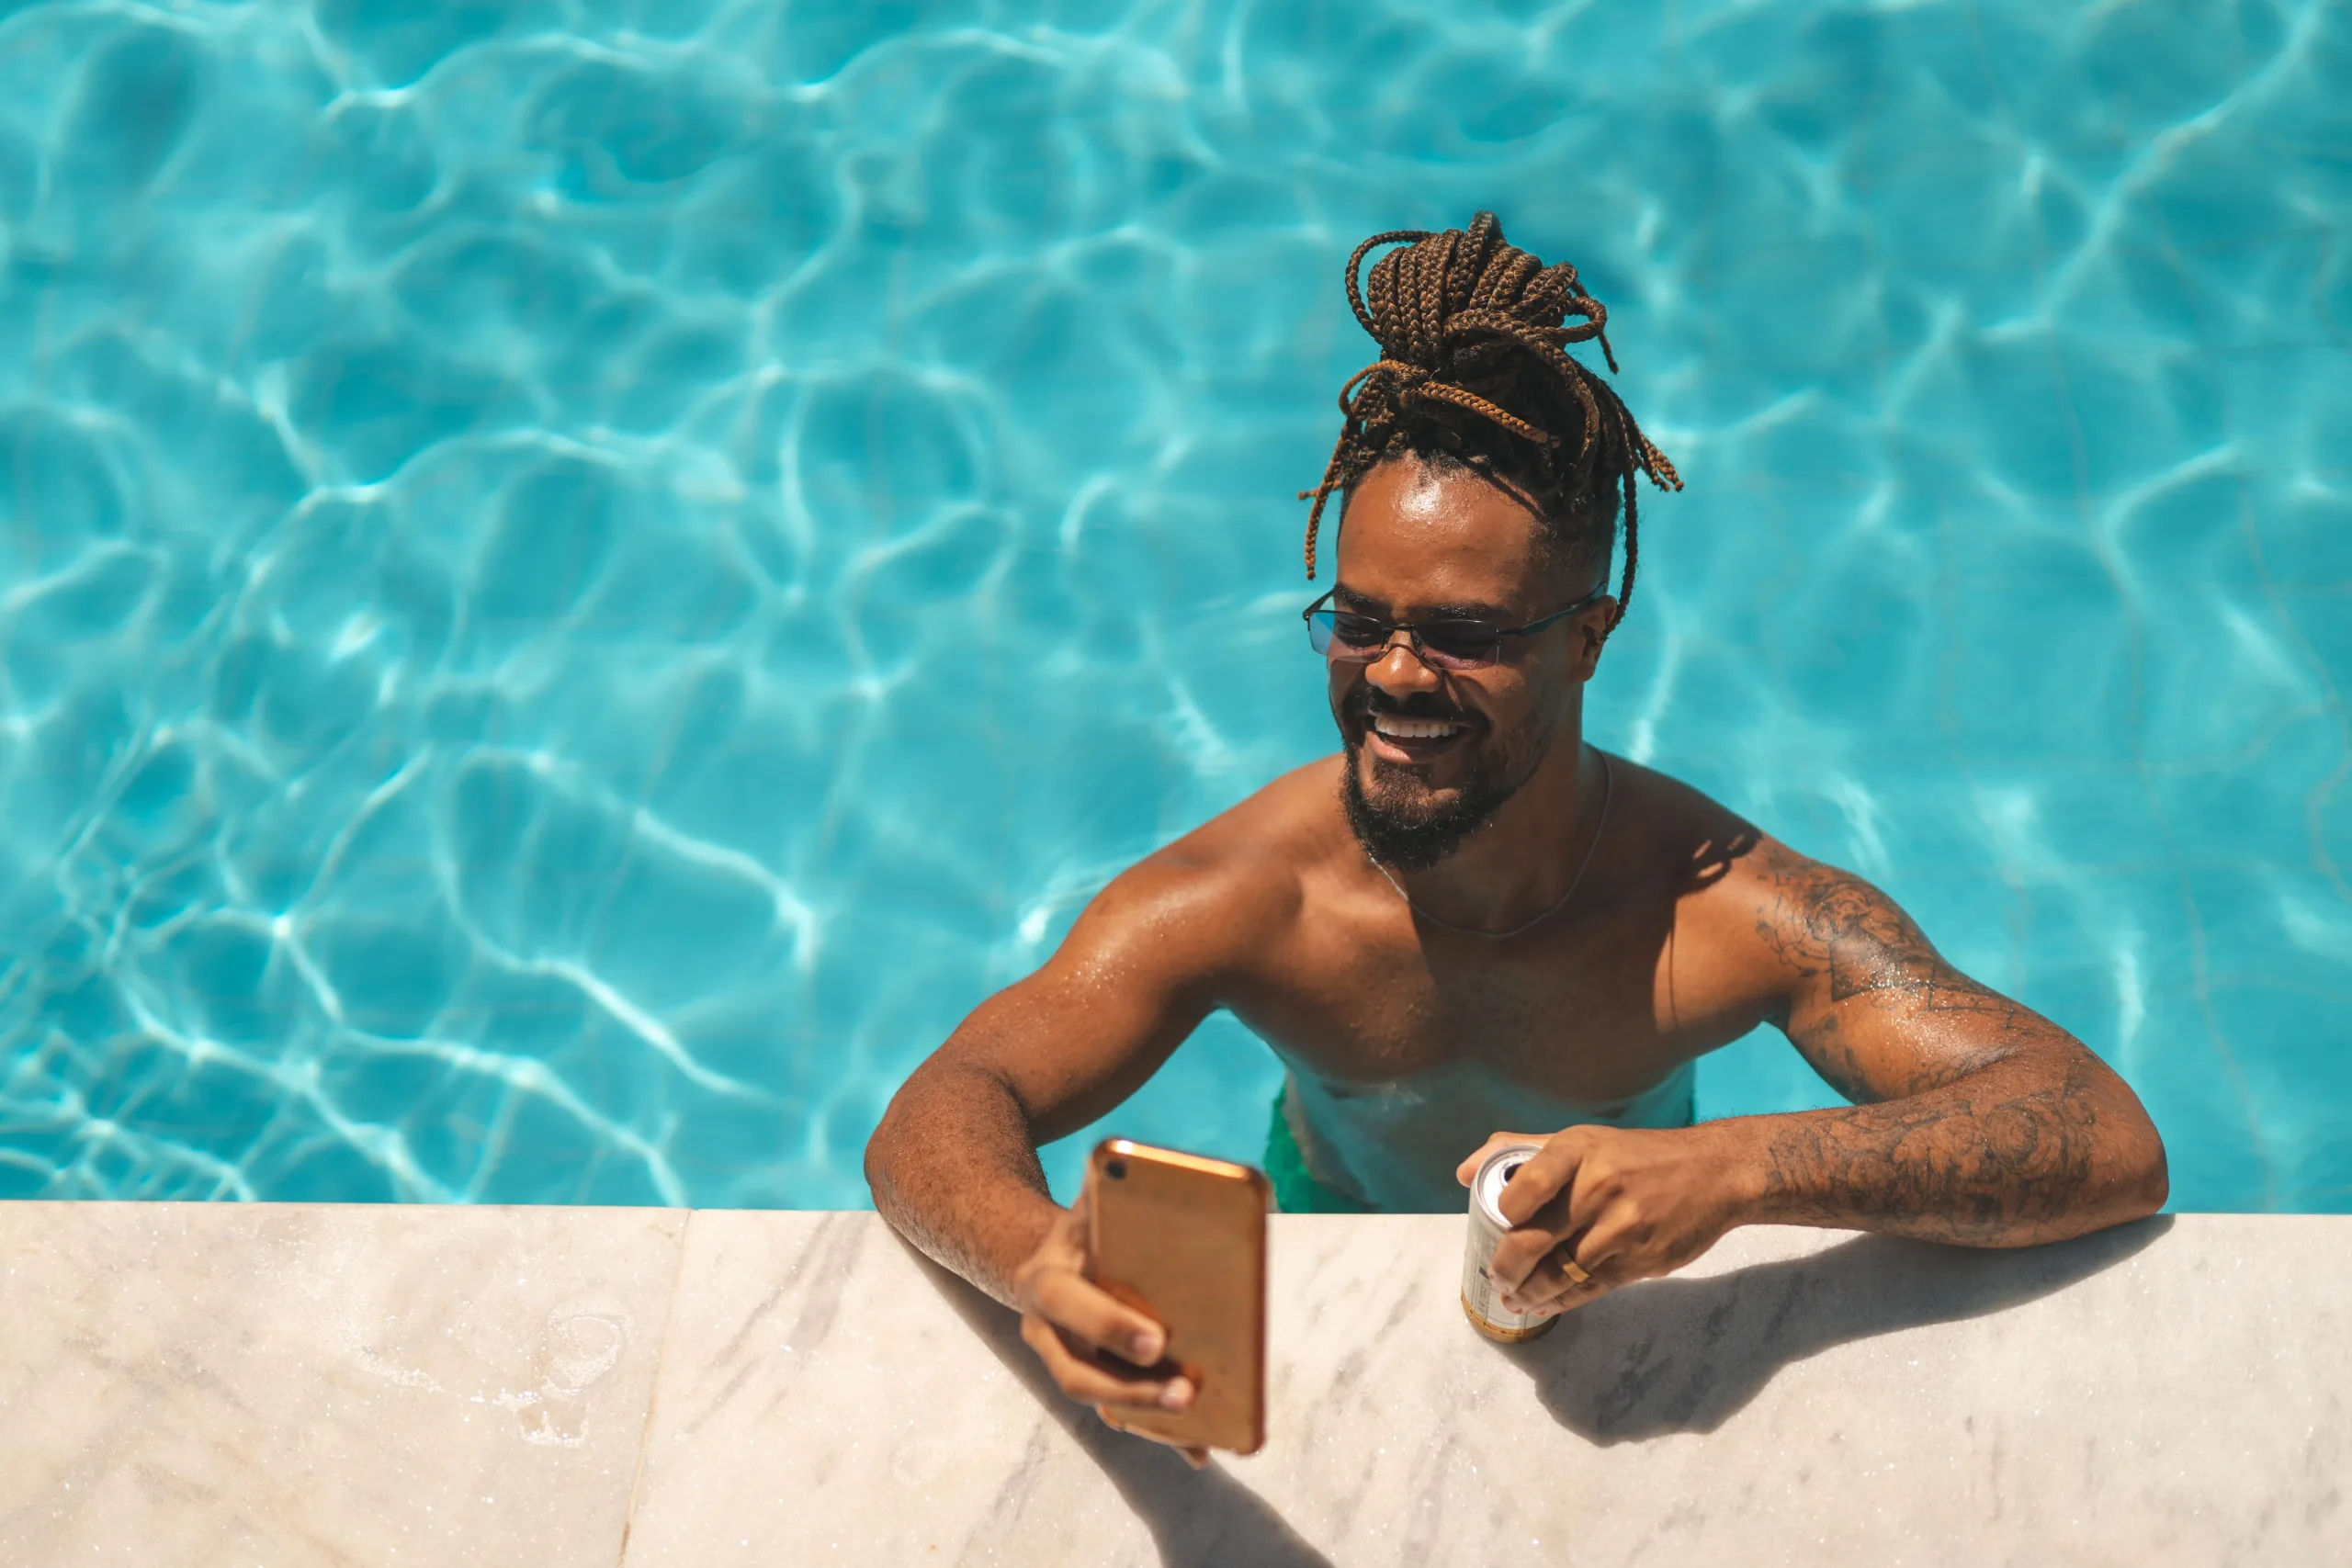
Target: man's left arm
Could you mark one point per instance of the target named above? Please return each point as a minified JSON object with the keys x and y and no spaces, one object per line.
{"x":1975,"y":1121}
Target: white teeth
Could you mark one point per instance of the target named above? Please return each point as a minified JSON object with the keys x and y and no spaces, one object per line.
{"x":1414,"y":728}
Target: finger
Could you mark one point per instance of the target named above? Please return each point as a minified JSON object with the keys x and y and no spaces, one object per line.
{"x":1195,"y":1457}
{"x":1583,"y":1296}
{"x":1517,"y":1253}
{"x":1602,"y":1257}
{"x":1091,"y":1382}
{"x":1198,"y":1458}
{"x":1467,"y":1171}
{"x":1585,"y":1203}
{"x":1522,"y":1250}
{"x":1546,"y":1279}
{"x":1551,"y":1171}
{"x":1552,"y":1286}
{"x":1540,"y":1271}
{"x":1100,"y":1318}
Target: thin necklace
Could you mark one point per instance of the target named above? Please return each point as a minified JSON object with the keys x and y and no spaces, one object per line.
{"x":1606,"y":785}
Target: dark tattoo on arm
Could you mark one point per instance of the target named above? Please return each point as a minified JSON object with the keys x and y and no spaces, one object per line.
{"x":1823,"y":924}
{"x":1976,"y":1120}
{"x":2004,"y":1157}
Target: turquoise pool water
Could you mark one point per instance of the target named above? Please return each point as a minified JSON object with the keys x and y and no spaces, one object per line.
{"x":579,"y":581}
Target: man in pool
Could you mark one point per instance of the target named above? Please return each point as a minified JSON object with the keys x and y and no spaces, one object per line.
{"x":1471,"y":919}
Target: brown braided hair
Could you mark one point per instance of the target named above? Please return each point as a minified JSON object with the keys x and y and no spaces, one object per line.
{"x":1473,"y":370}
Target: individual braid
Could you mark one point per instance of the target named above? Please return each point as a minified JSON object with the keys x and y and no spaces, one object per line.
{"x":1468,"y":323}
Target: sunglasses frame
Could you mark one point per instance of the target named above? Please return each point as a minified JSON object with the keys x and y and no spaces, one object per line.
{"x":1413,"y":632}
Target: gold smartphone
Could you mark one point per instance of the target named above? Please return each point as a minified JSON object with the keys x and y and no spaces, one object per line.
{"x":1182,"y":1238}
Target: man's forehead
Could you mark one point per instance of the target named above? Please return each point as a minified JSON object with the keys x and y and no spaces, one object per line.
{"x":1425,"y":540}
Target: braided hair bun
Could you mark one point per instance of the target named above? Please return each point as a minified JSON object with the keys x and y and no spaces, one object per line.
{"x":1474,"y":369}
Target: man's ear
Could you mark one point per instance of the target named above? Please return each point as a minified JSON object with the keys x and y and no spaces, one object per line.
{"x":1592,"y":630}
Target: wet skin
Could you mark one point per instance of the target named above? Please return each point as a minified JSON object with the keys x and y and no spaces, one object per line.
{"x":1974,"y":1119}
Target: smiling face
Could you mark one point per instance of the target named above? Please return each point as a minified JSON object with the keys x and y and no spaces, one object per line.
{"x":1432,"y":754}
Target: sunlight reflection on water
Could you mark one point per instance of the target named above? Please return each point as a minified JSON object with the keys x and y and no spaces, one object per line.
{"x":582,"y":580}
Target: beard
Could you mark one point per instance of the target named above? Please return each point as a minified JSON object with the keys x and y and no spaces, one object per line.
{"x":1400,"y":821}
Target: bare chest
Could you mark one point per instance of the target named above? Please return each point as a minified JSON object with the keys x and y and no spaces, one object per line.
{"x":1573,"y":1011}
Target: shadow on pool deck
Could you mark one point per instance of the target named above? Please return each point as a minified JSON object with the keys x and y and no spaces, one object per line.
{"x":1200,"y":1519}
{"x":1683,"y":1355}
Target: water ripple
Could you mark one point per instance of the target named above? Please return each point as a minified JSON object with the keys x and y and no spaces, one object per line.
{"x":579,"y":578}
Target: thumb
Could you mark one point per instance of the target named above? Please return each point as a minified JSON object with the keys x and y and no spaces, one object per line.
{"x":1548,"y":1172}
{"x":1467,"y":1171}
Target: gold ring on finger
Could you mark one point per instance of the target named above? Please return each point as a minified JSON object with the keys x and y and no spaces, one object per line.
{"x":1573,"y":1270}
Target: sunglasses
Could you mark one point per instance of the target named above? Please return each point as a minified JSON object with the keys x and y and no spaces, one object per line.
{"x":1345,"y":636}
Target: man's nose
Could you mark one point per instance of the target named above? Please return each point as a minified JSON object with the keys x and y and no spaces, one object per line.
{"x":1399,"y":670}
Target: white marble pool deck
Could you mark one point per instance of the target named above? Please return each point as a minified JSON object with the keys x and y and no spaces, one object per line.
{"x":198,"y":1385}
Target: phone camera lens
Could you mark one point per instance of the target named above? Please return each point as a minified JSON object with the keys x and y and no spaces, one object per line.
{"x":1117,"y":1169}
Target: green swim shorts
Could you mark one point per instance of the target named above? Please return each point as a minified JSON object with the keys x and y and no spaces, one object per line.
{"x":1296,"y":1192}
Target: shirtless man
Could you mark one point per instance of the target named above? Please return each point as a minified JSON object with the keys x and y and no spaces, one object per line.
{"x":1471,"y":919}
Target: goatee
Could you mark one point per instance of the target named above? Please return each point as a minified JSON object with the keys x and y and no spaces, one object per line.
{"x":1408,"y":829}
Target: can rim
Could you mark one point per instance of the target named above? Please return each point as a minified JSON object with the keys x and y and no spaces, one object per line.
{"x":1485,"y":1190}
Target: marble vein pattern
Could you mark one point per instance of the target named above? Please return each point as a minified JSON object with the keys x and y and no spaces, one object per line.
{"x":290,"y":1385}
{"x":2174,"y":1392}
{"x":191,"y":1384}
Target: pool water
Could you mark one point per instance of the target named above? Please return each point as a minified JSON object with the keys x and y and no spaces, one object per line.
{"x":581,"y":580}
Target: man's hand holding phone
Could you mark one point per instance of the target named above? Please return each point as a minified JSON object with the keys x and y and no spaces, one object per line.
{"x":1100,"y":1350}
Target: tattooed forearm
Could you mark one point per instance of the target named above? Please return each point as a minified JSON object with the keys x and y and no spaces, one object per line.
{"x":1976,"y":1120}
{"x":2025,"y":1151}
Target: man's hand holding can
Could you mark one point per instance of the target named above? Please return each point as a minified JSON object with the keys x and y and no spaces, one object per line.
{"x":1593,"y":1208}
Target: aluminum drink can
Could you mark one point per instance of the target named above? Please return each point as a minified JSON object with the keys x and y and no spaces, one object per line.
{"x":1481,"y":1302}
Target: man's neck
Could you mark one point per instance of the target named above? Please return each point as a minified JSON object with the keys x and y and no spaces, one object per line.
{"x":1525,"y":858}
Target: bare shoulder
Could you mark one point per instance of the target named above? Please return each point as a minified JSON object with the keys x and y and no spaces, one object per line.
{"x":1823,"y":926}
{"x":1676,"y":838}
{"x":1768,"y":920}
{"x":1753,"y":917}
{"x":1222,"y":892}
{"x":1732,"y":878}
{"x":1762,"y":933}
{"x":1725,"y":862}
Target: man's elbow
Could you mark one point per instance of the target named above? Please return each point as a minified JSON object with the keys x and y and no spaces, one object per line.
{"x":931,"y":1114}
{"x":2149,"y":1183}
{"x":2138,"y":1180}
{"x":875,"y":1164}
{"x":882,"y":1149}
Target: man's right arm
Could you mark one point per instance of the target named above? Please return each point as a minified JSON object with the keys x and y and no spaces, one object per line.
{"x":954,"y":1164}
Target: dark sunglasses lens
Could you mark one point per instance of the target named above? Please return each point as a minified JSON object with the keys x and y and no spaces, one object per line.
{"x":1327,"y":633}
{"x":1352,"y":637}
{"x":1460,"y":642}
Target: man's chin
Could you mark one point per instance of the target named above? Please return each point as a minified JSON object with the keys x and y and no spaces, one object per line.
{"x":1401,"y":820}
{"x":1408,"y":793}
